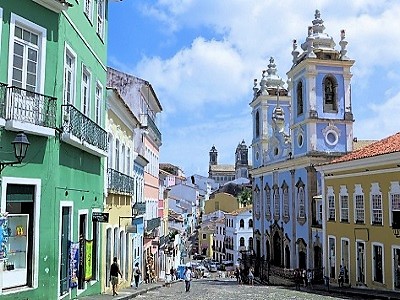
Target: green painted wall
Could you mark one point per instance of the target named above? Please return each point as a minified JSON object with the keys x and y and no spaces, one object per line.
{"x":66,"y":173}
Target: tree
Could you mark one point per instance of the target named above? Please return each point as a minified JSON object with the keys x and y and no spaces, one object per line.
{"x":245,"y":197}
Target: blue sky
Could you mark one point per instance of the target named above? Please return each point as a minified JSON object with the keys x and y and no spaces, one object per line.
{"x":201,"y":57}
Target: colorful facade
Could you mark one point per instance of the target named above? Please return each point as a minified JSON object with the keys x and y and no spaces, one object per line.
{"x":293,"y":130}
{"x":53,"y":58}
{"x":361,"y":210}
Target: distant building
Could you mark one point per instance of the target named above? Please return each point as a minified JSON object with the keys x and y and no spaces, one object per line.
{"x":223,"y":173}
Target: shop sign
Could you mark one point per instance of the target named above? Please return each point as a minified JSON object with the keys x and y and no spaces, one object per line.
{"x":100,"y":217}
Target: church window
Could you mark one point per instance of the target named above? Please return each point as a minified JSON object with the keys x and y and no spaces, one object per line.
{"x":267,"y":202}
{"x":330,"y":94}
{"x":241,"y":223}
{"x":285,"y":191}
{"x":300,"y":104}
{"x":277,"y":208}
{"x":241,"y":242}
{"x":300,"y":196}
{"x":300,"y":141}
{"x":257,"y":124}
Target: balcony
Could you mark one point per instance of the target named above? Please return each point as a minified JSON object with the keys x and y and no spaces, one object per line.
{"x":119,"y":182}
{"x":81,"y":132}
{"x":23,"y":110}
{"x":153,"y":130}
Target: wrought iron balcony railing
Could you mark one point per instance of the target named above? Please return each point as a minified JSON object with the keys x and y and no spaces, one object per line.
{"x":29,"y":107}
{"x":153,"y":127}
{"x":119,"y":182}
{"x":83,"y":128}
{"x":152,"y":224}
{"x":3,"y":97}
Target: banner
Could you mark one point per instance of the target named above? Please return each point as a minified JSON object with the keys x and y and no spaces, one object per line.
{"x":3,"y":235}
{"x":73,"y":265}
{"x":88,"y":260}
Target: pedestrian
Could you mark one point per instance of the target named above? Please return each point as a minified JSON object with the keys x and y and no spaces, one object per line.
{"x":297,"y":279}
{"x":309,"y":278}
{"x":251,"y":276}
{"x":237,"y":275}
{"x":341,"y":276}
{"x":114,"y":271}
{"x":304,"y":277}
{"x":136,"y":274}
{"x":188,"y":278}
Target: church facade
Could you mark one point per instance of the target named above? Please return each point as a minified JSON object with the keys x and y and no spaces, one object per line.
{"x":297,"y":126}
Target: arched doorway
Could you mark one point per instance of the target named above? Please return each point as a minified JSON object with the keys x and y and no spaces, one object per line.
{"x":287,"y":257}
{"x":277,"y":248}
{"x":302,"y":260}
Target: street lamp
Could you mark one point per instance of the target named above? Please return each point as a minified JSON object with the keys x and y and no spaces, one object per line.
{"x":20,"y":144}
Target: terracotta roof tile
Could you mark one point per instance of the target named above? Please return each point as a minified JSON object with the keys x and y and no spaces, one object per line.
{"x":387,"y":145}
{"x":240,"y":210}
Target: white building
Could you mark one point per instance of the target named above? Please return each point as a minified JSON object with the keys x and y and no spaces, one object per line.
{"x":239,"y":233}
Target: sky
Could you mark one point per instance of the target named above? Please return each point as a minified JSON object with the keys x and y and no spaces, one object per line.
{"x":201,"y":57}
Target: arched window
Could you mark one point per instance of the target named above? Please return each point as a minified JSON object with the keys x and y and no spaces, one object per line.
{"x":250,"y":243}
{"x":257,"y":124}
{"x":330,"y":94}
{"x":300,"y":104}
{"x":250,"y":223}
{"x":241,"y":243}
{"x":241,"y":223}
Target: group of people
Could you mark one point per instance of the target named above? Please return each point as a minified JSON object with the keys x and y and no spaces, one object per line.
{"x":115,"y":271}
{"x":303,"y":276}
{"x":245,"y":275}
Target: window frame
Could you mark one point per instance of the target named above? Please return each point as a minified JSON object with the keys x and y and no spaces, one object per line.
{"x":100,"y":18}
{"x":98,"y":116}
{"x":85,"y":71}
{"x":376,"y":212}
{"x":88,"y":10}
{"x":373,"y":262}
{"x":394,"y":190}
{"x":16,"y":20}
{"x":299,"y":100}
{"x":358,"y":192}
{"x":344,"y":197}
{"x":330,"y":198}
{"x":69,"y":51}
{"x":330,"y":108}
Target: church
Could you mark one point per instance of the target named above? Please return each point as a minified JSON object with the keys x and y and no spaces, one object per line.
{"x":296,"y":126}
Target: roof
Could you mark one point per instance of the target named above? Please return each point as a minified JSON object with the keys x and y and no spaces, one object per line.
{"x":230,"y":168}
{"x":240,"y":210}
{"x":358,"y":144}
{"x":387,"y":145}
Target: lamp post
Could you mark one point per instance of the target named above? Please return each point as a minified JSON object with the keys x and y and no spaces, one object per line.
{"x":20,"y":144}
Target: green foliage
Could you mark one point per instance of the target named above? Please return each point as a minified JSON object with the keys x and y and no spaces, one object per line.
{"x":245,"y":197}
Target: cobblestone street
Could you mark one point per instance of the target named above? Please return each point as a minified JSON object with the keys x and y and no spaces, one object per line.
{"x":214,"y":290}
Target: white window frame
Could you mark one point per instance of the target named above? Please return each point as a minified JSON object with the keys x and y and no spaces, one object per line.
{"x":98,"y":103}
{"x":68,"y":51}
{"x":80,"y":213}
{"x":375,"y":191}
{"x":394,"y":247}
{"x":123,"y":159}
{"x":344,"y":196}
{"x":373,"y":244}
{"x":86,"y":71}
{"x":110,"y":157}
{"x":330,"y":195}
{"x":36,"y":233}
{"x":128,"y":161}
{"x":285,"y":196}
{"x":88,"y":9}
{"x":1,"y":27}
{"x":358,"y":241}
{"x":100,"y":18}
{"x":358,"y":191}
{"x":117,"y":158}
{"x":42,"y":37}
{"x":277,"y":204}
{"x":394,"y":190}
{"x":348,"y":252}
{"x":329,"y":263}
{"x":70,"y":205}
{"x":267,"y":203}
{"x":98,"y":249}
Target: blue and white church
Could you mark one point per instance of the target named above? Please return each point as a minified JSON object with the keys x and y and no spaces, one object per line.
{"x":296,"y":126}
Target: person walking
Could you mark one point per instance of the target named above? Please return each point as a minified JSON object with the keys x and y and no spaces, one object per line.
{"x":309,"y":278}
{"x":251,"y":276}
{"x":188,"y":278}
{"x":114,"y":271}
{"x":136,"y":275}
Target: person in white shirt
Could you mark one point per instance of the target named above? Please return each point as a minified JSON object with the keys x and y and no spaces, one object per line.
{"x":188,"y":278}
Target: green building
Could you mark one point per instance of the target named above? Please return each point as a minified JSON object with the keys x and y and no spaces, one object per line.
{"x":52,"y":88}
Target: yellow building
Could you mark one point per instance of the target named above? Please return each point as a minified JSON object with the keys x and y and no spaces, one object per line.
{"x":361,"y":215}
{"x":206,"y":238}
{"x":221,"y":201}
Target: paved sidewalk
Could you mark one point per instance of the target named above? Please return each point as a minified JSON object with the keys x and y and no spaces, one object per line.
{"x":124,"y":294}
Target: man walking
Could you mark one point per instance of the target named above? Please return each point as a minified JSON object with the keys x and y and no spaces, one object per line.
{"x":188,"y":278}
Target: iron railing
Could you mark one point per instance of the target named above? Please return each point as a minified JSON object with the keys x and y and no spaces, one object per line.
{"x":119,"y":182}
{"x":153,"y":223}
{"x":80,"y":126}
{"x":25,"y":106}
{"x":3,"y":97}
{"x":152,"y":126}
